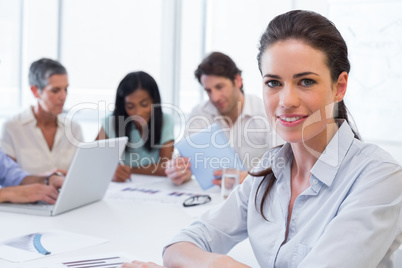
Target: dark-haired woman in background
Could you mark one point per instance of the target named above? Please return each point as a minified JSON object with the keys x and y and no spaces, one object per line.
{"x":138,"y":115}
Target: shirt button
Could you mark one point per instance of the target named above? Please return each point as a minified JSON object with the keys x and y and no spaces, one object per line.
{"x":315,"y":181}
{"x":293,"y":218}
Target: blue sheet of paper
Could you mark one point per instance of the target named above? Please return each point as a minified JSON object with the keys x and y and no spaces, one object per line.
{"x":208,"y":151}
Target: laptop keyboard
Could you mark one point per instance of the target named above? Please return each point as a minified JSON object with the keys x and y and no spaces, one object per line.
{"x":36,"y":205}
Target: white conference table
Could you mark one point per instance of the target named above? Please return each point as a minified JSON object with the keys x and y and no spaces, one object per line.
{"x":136,"y":228}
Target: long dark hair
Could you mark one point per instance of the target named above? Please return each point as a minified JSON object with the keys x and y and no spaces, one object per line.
{"x":130,"y":83}
{"x":320,"y":33}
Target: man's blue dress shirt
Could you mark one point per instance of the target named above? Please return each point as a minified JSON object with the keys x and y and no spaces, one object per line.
{"x":10,"y":173}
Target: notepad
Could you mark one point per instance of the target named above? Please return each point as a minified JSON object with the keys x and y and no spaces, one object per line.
{"x":208,"y":151}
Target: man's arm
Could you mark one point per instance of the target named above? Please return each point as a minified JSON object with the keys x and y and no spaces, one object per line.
{"x":29,"y":193}
{"x":32,"y":189}
{"x":55,"y":179}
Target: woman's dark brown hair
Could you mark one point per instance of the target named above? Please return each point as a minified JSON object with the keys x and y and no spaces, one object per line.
{"x":318,"y":32}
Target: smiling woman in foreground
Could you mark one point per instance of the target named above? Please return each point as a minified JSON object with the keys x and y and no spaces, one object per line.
{"x":325,"y":198}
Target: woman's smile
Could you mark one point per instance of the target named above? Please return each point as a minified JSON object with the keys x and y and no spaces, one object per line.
{"x":291,"y":120}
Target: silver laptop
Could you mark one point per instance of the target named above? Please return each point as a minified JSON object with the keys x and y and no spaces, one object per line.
{"x":87,"y":180}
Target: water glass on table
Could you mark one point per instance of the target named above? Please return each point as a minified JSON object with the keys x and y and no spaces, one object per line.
{"x":230,"y":179}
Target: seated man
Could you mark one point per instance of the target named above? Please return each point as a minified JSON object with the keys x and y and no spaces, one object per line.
{"x":242,"y":117}
{"x":20,"y":187}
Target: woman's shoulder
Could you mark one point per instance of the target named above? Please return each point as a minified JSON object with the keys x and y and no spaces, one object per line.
{"x":373,"y":153}
{"x":368,"y":163}
{"x":106,"y":118}
{"x":20,"y":118}
{"x":167,"y":116}
{"x":167,"y":119}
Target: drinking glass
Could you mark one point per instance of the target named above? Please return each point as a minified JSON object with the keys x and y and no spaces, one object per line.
{"x":230,"y":179}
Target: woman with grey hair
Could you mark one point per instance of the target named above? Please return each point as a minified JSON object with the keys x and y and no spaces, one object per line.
{"x":37,"y":138}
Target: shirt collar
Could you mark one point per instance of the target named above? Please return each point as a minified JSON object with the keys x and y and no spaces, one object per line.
{"x":27,"y":117}
{"x":276,"y":159}
{"x":248,"y":109}
{"x":281,"y":159}
{"x":327,"y":165}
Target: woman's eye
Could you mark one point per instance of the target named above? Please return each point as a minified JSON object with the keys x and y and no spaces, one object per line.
{"x":273,"y":83}
{"x":145,"y":104}
{"x":307,"y":82}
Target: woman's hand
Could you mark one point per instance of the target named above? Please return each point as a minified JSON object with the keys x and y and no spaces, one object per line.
{"x":59,"y":170}
{"x":123,"y":173}
{"x":178,"y":170}
{"x":57,"y":180}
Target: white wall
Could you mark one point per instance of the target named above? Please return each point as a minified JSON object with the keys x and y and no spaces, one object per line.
{"x":99,"y":43}
{"x":373,"y":32}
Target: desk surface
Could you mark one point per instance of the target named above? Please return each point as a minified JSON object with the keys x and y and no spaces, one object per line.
{"x":136,"y":228}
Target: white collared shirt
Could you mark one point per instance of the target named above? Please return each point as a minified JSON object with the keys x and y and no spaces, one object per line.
{"x":350,"y":216}
{"x":23,"y":140}
{"x":251,"y":134}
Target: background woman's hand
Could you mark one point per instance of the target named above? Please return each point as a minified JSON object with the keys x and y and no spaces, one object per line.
{"x":178,"y":170}
{"x":123,"y":173}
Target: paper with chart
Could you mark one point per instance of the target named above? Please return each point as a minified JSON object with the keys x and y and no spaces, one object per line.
{"x":155,"y":190}
{"x":158,"y":191}
{"x":91,"y":262}
{"x":40,"y":244}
